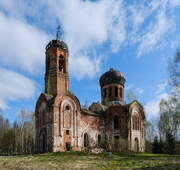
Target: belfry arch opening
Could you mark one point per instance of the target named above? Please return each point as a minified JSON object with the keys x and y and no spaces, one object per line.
{"x":116,"y":91}
{"x":62,"y":64}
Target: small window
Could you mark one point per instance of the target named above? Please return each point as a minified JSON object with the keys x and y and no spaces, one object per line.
{"x":67,"y":132}
{"x":121,"y":95}
{"x":67,"y":107}
{"x":116,"y":91}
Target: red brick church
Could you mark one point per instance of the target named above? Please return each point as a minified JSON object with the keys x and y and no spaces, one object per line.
{"x":62,"y":124}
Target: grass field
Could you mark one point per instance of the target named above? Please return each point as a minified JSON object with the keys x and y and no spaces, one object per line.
{"x":82,"y":160}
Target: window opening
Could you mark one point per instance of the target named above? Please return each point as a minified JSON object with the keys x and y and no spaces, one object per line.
{"x":67,"y":132}
{"x":116,"y":122}
{"x":116,"y":91}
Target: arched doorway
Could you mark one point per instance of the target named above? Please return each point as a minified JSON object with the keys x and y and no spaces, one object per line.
{"x":85,"y":140}
{"x":43,"y":141}
{"x":136,"y":145}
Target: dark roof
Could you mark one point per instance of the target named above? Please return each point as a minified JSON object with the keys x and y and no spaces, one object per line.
{"x":112,"y":77}
{"x":57,"y":43}
{"x":49,"y":98}
{"x":97,"y":108}
{"x":90,"y":113}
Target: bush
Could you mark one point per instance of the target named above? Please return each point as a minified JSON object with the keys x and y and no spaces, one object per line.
{"x":103,"y":144}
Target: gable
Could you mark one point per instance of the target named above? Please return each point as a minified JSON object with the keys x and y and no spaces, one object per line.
{"x":136,"y":108}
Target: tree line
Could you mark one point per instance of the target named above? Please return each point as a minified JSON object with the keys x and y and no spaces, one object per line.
{"x":164,"y":135}
{"x":17,"y":137}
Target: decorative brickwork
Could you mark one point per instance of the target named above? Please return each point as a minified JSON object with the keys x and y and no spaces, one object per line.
{"x":61,"y":123}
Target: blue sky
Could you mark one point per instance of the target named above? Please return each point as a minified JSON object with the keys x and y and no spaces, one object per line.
{"x":136,"y":37}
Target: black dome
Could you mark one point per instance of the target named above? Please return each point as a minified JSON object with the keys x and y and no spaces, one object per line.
{"x":112,"y":77}
{"x":57,"y":43}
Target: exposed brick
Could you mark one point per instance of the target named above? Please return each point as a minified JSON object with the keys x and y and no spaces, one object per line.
{"x":60,"y":121}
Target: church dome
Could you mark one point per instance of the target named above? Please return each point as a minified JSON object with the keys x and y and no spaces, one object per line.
{"x":57,"y":43}
{"x":112,"y":77}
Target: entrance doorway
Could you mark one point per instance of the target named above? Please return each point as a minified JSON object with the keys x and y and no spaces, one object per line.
{"x":68,"y":146}
{"x":116,"y":143}
{"x":44,"y":143}
{"x":136,"y":145}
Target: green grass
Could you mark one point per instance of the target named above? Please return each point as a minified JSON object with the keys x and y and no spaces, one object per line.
{"x":83,"y":160}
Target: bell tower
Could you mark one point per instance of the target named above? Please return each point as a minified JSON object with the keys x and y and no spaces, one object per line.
{"x":56,"y":75}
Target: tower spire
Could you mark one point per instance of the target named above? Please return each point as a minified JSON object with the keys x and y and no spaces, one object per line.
{"x":58,"y":32}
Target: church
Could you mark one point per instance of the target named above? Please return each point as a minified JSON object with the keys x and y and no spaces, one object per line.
{"x":61,"y":123}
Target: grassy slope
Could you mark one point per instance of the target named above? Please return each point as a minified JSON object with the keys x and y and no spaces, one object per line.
{"x":81,"y":160}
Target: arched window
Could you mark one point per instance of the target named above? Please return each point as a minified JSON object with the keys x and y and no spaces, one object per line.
{"x":85,"y":140}
{"x":105,"y":92}
{"x":121,"y":95}
{"x":116,"y":91}
{"x":99,"y":139}
{"x":61,"y":64}
{"x":110,"y":91}
{"x":135,"y":123}
{"x":116,"y":122}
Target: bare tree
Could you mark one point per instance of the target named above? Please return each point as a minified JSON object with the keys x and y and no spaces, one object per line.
{"x":131,"y":96}
{"x":169,"y":122}
{"x":174,"y":70}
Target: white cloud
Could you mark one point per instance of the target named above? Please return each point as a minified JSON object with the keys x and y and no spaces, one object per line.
{"x":13,"y":87}
{"x":151,"y":38}
{"x":139,"y":12}
{"x":84,"y":66}
{"x":87,"y":25}
{"x":140,"y":91}
{"x":162,"y":86}
{"x":152,"y":107}
{"x":3,"y":105}
{"x":175,"y":3}
{"x":21,"y":45}
{"x":176,"y":42}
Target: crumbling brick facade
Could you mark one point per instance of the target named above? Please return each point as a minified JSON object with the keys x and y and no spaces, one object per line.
{"x":61,"y":123}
